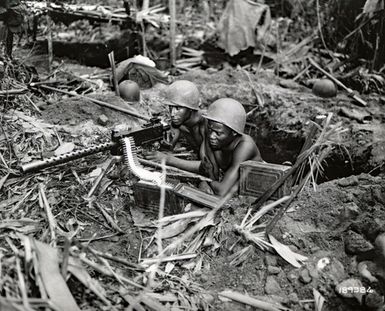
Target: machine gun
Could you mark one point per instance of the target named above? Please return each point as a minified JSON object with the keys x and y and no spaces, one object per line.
{"x":126,"y":142}
{"x":122,"y":142}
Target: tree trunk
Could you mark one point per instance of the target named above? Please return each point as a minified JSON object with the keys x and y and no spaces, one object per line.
{"x":379,"y":61}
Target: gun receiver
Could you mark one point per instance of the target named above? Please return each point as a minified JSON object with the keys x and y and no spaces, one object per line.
{"x":151,"y":132}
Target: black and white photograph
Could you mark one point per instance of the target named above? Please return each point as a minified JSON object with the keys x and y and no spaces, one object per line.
{"x":192,"y":155}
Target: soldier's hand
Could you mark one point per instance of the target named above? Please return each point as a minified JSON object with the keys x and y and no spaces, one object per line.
{"x":155,"y":156}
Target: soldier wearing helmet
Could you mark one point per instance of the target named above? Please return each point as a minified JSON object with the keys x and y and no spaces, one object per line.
{"x":183,"y":98}
{"x":225,"y":147}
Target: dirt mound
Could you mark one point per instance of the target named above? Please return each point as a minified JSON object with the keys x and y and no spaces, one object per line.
{"x":335,"y":227}
{"x":72,"y":111}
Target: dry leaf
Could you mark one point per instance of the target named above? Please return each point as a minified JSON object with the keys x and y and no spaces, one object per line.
{"x":318,"y":299}
{"x":75,"y":268}
{"x":64,"y":148}
{"x":175,"y":228}
{"x":286,"y":253}
{"x":54,"y":283}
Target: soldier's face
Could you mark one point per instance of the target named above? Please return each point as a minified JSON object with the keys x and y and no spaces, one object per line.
{"x":179,"y":115}
{"x":219,"y":135}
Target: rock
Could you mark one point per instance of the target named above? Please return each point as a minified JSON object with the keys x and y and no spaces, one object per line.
{"x":229,"y":93}
{"x":289,"y":84}
{"x":351,"y":209}
{"x":356,"y":244}
{"x":313,"y":272}
{"x":315,"y":249}
{"x":348,"y":181}
{"x":103,"y":120}
{"x":292,"y":277}
{"x":270,"y":260}
{"x":272,"y":287}
{"x":304,"y":276}
{"x":336,"y":270}
{"x":204,"y":278}
{"x":208,"y":298}
{"x":374,"y":300}
{"x":378,"y":194}
{"x":72,"y":122}
{"x":211,"y":70}
{"x":349,"y":197}
{"x":50,"y":101}
{"x":346,"y":288}
{"x":293,"y":297}
{"x":364,"y":271}
{"x":273,"y":270}
{"x":380,"y":245}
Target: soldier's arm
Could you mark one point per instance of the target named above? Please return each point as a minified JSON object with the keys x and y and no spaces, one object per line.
{"x":176,"y":135}
{"x":243,"y":152}
{"x":190,"y":166}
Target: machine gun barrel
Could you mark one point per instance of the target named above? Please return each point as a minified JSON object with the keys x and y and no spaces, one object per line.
{"x":67,"y":157}
{"x":152,"y":132}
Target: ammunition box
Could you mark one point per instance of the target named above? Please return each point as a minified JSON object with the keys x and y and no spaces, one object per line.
{"x":257,"y":177}
{"x":147,"y":197}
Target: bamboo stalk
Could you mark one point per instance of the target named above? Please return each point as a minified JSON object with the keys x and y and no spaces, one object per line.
{"x":13,"y":92}
{"x":111,"y":57}
{"x":104,"y":270}
{"x":122,"y":261}
{"x":251,"y":301}
{"x":51,"y":220}
{"x":284,"y":207}
{"x":99,"y":179}
{"x":22,"y":286}
{"x":150,"y":261}
{"x":109,"y":219}
{"x":301,"y":159}
{"x":192,"y":214}
{"x":172,"y":8}
{"x":49,"y":39}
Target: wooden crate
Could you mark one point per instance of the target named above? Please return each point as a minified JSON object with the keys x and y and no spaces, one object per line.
{"x":257,"y":177}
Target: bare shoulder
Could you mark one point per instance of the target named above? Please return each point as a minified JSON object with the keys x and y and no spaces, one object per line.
{"x":247,"y":141}
{"x":248,"y":145}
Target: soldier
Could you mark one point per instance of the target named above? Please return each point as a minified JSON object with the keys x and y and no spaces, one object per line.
{"x":12,"y":14}
{"x":224,"y":148}
{"x":183,"y":98}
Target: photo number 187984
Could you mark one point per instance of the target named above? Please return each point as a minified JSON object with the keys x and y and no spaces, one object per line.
{"x":355,"y":290}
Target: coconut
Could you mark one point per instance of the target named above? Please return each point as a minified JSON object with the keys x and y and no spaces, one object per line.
{"x":324,"y":88}
{"x":129,"y":90}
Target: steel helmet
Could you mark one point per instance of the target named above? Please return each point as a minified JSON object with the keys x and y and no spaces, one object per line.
{"x":183,"y":93}
{"x":228,"y":112}
{"x":129,"y":90}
